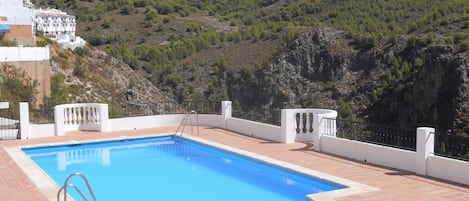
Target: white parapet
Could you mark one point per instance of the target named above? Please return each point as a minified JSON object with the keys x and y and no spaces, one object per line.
{"x":81,"y":116}
{"x":305,"y":124}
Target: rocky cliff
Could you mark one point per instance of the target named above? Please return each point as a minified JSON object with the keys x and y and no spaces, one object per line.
{"x":436,"y":94}
{"x":403,"y":81}
{"x":99,"y":77}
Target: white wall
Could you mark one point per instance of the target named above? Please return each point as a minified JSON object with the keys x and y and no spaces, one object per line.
{"x":24,"y":54}
{"x":374,"y":154}
{"x":129,"y":123}
{"x":211,"y":120}
{"x":448,"y":169}
{"x":255,"y":129}
{"x":41,"y":130}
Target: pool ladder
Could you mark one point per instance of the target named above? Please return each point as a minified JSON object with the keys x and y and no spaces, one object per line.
{"x":187,"y":120}
{"x":67,"y":185}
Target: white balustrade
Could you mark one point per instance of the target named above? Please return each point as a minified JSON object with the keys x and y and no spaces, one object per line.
{"x":305,"y":124}
{"x":82,"y":116}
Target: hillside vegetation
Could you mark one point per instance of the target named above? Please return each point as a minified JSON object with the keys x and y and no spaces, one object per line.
{"x":219,"y":50}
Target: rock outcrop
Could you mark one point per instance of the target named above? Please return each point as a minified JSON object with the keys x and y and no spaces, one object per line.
{"x":437,"y":94}
{"x":391,"y":83}
{"x":107,"y":79}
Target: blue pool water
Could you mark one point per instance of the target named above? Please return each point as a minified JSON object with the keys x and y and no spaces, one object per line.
{"x":165,"y":168}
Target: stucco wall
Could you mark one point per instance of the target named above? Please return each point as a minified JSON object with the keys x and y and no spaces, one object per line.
{"x":255,"y":129}
{"x":369,"y":153}
{"x":448,"y":169}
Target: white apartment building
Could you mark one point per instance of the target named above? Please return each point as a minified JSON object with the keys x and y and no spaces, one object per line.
{"x":54,"y":23}
{"x":58,"y":26}
{"x":19,"y":21}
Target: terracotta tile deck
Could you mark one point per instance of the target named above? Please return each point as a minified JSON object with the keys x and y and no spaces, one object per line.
{"x":15,"y":185}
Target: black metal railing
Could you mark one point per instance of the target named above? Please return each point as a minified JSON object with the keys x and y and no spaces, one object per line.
{"x":42,"y":115}
{"x":45,"y":113}
{"x":9,"y":124}
{"x":451,"y":145}
{"x":260,"y":114}
{"x":397,"y":137}
{"x":164,"y":107}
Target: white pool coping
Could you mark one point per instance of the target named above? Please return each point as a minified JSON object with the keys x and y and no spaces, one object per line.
{"x":50,"y":188}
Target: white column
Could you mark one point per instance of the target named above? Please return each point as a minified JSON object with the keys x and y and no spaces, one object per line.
{"x":59,"y":120}
{"x":425,"y":147}
{"x":225,"y":112}
{"x":288,"y":126}
{"x":104,"y":117}
{"x":24,"y":120}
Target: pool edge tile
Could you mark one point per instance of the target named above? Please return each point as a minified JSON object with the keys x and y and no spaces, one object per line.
{"x":45,"y":184}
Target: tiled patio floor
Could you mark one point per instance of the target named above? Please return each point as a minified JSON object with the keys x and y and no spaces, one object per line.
{"x":15,"y":185}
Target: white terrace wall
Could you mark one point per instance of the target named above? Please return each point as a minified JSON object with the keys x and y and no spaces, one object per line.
{"x":448,"y":169}
{"x":422,"y":161}
{"x":255,"y":129}
{"x":369,"y":153}
{"x":130,"y":123}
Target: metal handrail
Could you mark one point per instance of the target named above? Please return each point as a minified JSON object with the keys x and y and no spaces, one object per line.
{"x":184,"y":123}
{"x":66,"y":185}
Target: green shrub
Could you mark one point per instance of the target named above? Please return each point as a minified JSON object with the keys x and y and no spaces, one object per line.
{"x":8,"y":43}
{"x":42,"y":42}
{"x":62,"y":55}
{"x":464,"y":46}
{"x":79,"y":72}
{"x":345,"y":111}
{"x":81,"y":51}
{"x":106,"y":24}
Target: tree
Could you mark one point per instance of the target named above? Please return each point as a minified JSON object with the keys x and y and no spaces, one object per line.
{"x":17,"y":86}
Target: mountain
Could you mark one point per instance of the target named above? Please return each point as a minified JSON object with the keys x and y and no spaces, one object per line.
{"x":370,"y":60}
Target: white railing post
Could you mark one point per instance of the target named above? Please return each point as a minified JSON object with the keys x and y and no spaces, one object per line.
{"x":104,"y":117}
{"x":59,"y":120}
{"x":288,"y":126}
{"x":425,"y":146}
{"x":225,"y":112}
{"x":24,"y":120}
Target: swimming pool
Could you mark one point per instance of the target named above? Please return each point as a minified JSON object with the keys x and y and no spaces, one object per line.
{"x":166,"y":168}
